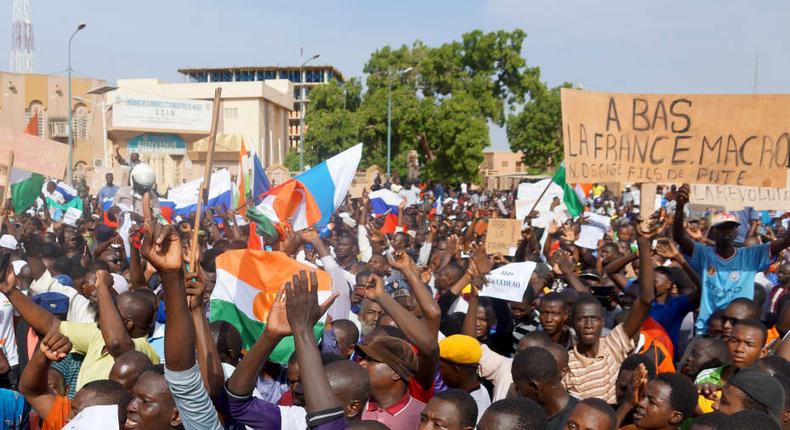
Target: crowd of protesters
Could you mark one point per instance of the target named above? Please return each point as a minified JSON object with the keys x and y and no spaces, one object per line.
{"x":677,"y":320}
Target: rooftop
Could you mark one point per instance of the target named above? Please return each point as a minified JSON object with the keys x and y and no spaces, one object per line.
{"x":195,"y":70}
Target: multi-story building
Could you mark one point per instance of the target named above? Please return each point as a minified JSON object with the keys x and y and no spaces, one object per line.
{"x":166,"y":123}
{"x":24,"y":96}
{"x":303,"y":79}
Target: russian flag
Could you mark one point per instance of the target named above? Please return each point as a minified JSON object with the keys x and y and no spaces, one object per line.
{"x":260,"y":182}
{"x":183,"y":198}
{"x":310,"y":198}
{"x":384,"y":200}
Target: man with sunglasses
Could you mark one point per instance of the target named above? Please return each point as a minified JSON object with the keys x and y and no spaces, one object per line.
{"x":738,"y":310}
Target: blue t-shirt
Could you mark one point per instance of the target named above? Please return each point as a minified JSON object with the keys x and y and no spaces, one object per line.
{"x":724,"y":280}
{"x":745,"y":217}
{"x":670,"y":315}
{"x":14,"y":410}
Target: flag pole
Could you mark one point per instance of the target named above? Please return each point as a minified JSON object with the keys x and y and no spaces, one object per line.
{"x":543,"y":193}
{"x":204,"y":187}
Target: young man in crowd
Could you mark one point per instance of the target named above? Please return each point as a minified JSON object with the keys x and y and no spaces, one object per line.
{"x":595,"y":360}
{"x":452,"y":409}
{"x":727,"y":272}
{"x":537,"y":376}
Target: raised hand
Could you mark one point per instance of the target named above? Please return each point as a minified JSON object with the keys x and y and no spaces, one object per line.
{"x":568,"y":233}
{"x":666,"y":248}
{"x":301,"y":302}
{"x":161,"y":244}
{"x":562,"y":262}
{"x":654,"y":227}
{"x":400,"y":261}
{"x":480,"y":258}
{"x":277,"y":321}
{"x":638,"y":384}
{"x":104,"y":278}
{"x":375,"y":235}
{"x":55,"y":345}
{"x":195,"y":288}
{"x":682,"y":195}
{"x":374,"y":289}
{"x":308,"y":236}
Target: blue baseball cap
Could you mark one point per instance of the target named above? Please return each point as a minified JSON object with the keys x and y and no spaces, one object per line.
{"x":55,"y":303}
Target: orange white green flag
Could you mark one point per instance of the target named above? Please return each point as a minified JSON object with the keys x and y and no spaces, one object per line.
{"x":247,"y":283}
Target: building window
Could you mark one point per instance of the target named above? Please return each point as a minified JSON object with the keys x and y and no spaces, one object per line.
{"x":221,"y":76}
{"x":199,"y":77}
{"x":231,"y":112}
{"x":314,"y":76}
{"x":505,"y":164}
{"x":37,"y":108}
{"x":267,"y":74}
{"x":80,"y":125}
{"x":518,"y":166}
{"x":245,"y":75}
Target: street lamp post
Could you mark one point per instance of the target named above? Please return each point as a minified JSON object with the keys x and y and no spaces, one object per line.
{"x":389,"y":117}
{"x":71,"y":113}
{"x":104,"y":105}
{"x":302,"y":110}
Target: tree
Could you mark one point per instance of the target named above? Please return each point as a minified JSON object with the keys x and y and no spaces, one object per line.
{"x":332,"y":123}
{"x":447,"y":98}
{"x":537,"y":130}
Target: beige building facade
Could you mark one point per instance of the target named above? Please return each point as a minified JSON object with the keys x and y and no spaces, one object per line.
{"x":45,"y":97}
{"x":167,"y":123}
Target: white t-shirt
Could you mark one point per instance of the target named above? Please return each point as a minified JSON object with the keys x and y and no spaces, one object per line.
{"x":7,"y":336}
{"x":482,"y":399}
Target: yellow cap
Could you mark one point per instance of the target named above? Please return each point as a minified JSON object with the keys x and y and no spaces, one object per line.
{"x":460,"y":349}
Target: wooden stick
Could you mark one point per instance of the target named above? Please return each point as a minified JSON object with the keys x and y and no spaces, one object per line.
{"x":204,"y":187}
{"x":7,"y":187}
{"x":540,"y":197}
{"x":647,"y":202}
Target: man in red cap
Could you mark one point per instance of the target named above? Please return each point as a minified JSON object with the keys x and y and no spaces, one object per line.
{"x":390,"y":363}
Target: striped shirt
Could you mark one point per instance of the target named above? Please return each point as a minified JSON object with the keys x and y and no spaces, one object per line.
{"x":596,"y":377}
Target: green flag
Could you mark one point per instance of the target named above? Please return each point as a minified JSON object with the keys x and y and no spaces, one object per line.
{"x":572,"y":202}
{"x":25,"y":188}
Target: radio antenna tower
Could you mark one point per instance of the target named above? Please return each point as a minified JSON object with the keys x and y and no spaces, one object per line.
{"x":22,"y":48}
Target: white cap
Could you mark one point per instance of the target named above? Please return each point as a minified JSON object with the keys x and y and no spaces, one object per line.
{"x":7,"y":241}
{"x":71,"y":216}
{"x":143,"y":175}
{"x":119,"y":283}
{"x":18,"y":265}
{"x":347,"y":219}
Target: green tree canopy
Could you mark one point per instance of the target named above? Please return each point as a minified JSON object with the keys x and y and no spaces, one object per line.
{"x":445,"y":100}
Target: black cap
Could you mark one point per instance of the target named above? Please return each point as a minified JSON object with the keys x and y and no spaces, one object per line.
{"x":763,"y":388}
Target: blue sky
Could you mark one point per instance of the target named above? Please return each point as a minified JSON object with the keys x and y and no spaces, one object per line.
{"x":704,"y":46}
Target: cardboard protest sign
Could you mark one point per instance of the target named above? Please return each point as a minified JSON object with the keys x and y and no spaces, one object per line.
{"x":34,"y":154}
{"x":733,"y":198}
{"x":509,"y":281}
{"x":676,"y":138}
{"x":503,"y":235}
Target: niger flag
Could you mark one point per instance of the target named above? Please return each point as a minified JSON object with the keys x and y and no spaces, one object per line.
{"x":247,"y":284}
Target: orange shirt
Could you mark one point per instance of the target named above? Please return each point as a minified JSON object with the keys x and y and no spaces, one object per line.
{"x":58,"y":415}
